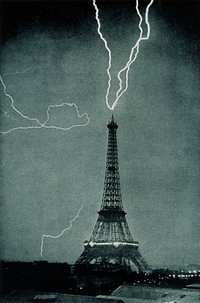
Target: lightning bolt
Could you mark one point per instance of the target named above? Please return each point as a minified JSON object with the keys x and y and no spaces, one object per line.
{"x":17,"y":72}
{"x":107,"y":48}
{"x":60,"y":235}
{"x":132,"y":56}
{"x":137,"y":47}
{"x":38,"y":123}
{"x":155,"y":251}
{"x":20,"y":72}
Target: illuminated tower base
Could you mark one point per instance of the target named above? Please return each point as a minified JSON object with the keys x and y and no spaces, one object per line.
{"x":111,"y":245}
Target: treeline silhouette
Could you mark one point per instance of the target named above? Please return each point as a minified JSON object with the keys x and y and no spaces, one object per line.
{"x":38,"y":275}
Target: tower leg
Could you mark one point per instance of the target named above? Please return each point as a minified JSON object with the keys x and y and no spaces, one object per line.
{"x":140,"y":263}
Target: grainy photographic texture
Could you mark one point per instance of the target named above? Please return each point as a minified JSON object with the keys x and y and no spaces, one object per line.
{"x":52,"y":54}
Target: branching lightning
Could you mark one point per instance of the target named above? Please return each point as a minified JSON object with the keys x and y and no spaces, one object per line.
{"x":137,"y":47}
{"x":38,"y":123}
{"x":43,"y":125}
{"x":60,"y":235}
{"x":132,"y":56}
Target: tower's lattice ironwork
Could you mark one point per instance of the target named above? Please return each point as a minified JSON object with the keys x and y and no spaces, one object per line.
{"x":111,"y":243}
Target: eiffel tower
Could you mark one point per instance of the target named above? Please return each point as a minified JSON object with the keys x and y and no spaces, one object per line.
{"x":111,"y":244}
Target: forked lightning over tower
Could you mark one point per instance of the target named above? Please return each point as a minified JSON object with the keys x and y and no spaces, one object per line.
{"x":111,"y":244}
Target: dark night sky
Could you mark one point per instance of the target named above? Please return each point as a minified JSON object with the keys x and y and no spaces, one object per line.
{"x":51,"y":53}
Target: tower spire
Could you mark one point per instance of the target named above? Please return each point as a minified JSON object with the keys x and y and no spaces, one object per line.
{"x":112,"y":193}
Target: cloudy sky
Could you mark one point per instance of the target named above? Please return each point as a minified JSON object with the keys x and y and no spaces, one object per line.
{"x":52,"y":54}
